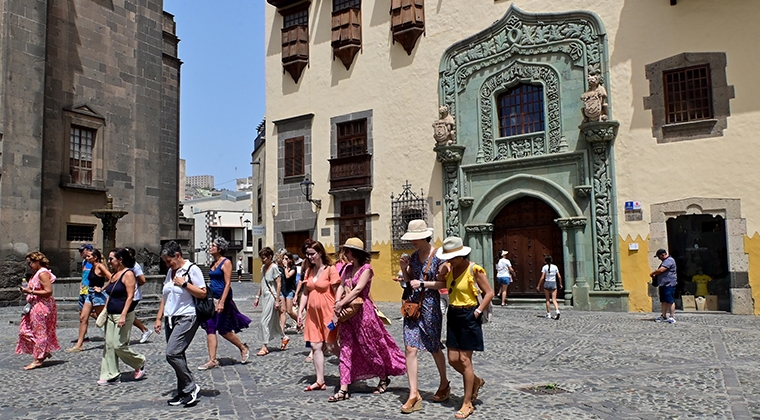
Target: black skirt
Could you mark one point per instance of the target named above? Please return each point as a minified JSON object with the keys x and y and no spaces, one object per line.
{"x":463,"y":330}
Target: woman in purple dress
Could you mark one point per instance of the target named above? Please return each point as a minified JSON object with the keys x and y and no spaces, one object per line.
{"x":367,"y":350}
{"x":423,"y":333}
{"x":227,"y":320}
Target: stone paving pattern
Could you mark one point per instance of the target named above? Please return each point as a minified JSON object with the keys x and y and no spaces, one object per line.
{"x":613,"y":365}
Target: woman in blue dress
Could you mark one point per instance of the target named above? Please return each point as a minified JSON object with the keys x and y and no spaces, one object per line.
{"x":227,"y":320}
{"x":424,"y":333}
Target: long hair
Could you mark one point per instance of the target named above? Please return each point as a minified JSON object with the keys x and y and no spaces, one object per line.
{"x":318,"y":247}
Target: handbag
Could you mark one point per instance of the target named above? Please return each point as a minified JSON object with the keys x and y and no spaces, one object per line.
{"x":352,"y":309}
{"x":411,"y":310}
{"x":487,"y":314}
{"x":27,"y":308}
{"x":204,"y":307}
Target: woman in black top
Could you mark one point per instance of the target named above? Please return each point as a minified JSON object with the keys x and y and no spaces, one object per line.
{"x":288,"y":292}
{"x":121,"y":314}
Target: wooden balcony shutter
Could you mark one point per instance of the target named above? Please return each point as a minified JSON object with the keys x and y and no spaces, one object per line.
{"x":294,"y":157}
{"x":295,"y":40}
{"x":407,"y":22}
{"x":347,"y":33}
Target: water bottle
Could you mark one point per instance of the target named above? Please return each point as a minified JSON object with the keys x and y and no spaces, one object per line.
{"x":24,"y":283}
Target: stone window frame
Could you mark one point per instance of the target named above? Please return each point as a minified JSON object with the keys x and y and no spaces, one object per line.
{"x":84,"y":116}
{"x":722,"y":93}
{"x":70,"y":232}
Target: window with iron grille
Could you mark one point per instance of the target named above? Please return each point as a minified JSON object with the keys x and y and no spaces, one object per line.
{"x":80,"y":154}
{"x":352,"y":222}
{"x":294,"y":156}
{"x":80,"y":233}
{"x":521,"y":110}
{"x":339,"y":5}
{"x":688,"y":94}
{"x":299,"y":18}
{"x":352,"y":138}
{"x":407,"y":207}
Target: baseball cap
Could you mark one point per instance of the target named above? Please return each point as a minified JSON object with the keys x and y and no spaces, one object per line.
{"x":660,"y":252}
{"x":87,"y":247}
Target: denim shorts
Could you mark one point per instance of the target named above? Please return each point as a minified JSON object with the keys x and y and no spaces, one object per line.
{"x":96,"y":298}
{"x":550,"y":285}
{"x":667,"y":294}
{"x":504,"y":280}
{"x":288,"y":294}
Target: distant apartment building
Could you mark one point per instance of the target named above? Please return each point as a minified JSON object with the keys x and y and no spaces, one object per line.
{"x":201,"y":181}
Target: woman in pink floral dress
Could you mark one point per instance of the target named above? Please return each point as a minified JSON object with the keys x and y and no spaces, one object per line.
{"x":367,"y":350}
{"x":36,"y":334}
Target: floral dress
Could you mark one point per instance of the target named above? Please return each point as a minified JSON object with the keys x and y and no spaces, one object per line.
{"x":424,"y":332}
{"x":36,"y":333}
{"x":367,"y":350}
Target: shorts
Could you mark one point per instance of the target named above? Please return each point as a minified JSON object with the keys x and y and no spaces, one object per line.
{"x":667,"y":294}
{"x":463,"y":330}
{"x":550,"y":285}
{"x":288,"y":294}
{"x":240,"y":273}
{"x":95,"y":298}
{"x":504,"y":280}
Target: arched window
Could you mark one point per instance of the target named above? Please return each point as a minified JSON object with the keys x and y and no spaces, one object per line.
{"x":521,"y":110}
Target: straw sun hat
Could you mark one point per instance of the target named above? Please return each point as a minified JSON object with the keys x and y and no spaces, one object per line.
{"x":355,"y":244}
{"x":417,"y":229}
{"x":452,"y":247}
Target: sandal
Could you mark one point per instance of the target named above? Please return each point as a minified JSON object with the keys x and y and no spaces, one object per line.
{"x":211,"y":364}
{"x":479,"y":382}
{"x":262,"y":352}
{"x":74,"y":350}
{"x":412,"y":404}
{"x":341,"y":395}
{"x":442,"y":394}
{"x":316,"y":386}
{"x":382,"y":386}
{"x":245,"y":354}
{"x":34,"y":365}
{"x":285,"y":342}
{"x":463,"y":414}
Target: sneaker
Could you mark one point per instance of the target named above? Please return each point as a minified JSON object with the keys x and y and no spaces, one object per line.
{"x":660,"y":319}
{"x":112,"y":381}
{"x":139,"y":373}
{"x":671,"y":320}
{"x":86,"y":340}
{"x":557,"y":317}
{"x":144,"y":337}
{"x":548,"y":316}
{"x":192,"y":398}
{"x":176,"y":400}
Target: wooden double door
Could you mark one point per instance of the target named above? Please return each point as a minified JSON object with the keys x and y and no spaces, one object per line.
{"x":526,"y":228}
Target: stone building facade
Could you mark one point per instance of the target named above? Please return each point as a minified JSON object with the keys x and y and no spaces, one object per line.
{"x":353,"y":87}
{"x":89,"y":100}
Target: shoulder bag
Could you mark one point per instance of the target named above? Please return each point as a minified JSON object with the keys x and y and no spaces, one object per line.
{"x":103,"y":315}
{"x":204,"y":307}
{"x":353,"y":308}
{"x":485,"y":316}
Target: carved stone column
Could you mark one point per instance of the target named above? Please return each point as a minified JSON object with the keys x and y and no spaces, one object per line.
{"x":480,"y":239}
{"x":573,"y":274}
{"x":450,"y":157}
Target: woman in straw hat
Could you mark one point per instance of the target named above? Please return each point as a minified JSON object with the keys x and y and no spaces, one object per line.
{"x":367,"y":350}
{"x":464,"y":334}
{"x":423,"y":333}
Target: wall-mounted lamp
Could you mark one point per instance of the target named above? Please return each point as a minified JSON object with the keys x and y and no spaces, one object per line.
{"x":306,"y":187}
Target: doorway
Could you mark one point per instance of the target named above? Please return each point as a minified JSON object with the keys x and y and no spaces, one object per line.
{"x":294,"y":241}
{"x":525,"y":227}
{"x":697,"y":242}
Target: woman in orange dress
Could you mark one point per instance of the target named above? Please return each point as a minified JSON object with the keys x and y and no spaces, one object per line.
{"x":321,"y":281}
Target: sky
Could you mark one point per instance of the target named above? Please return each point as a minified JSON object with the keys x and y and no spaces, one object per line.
{"x":222,"y":96}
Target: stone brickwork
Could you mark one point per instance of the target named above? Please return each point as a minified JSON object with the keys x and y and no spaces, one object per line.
{"x":111,"y":67}
{"x":294,"y":212}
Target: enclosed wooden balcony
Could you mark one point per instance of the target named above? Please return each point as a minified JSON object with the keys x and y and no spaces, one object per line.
{"x":351,"y":172}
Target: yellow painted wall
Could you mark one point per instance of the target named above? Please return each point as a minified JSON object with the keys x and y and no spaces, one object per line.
{"x":752,"y":248}
{"x":635,"y":269}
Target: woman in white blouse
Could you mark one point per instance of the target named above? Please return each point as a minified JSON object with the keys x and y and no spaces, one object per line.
{"x":184,"y":281}
{"x":505,"y":274}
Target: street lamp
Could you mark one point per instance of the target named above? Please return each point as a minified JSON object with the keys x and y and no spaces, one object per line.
{"x":306,"y":187}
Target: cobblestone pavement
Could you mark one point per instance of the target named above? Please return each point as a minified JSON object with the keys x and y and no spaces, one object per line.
{"x":613,"y":366}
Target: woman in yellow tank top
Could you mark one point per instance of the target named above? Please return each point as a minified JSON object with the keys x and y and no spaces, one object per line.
{"x":464,"y":334}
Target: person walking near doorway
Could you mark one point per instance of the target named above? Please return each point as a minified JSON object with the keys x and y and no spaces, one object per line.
{"x":551,"y":280}
{"x":504,"y":273}
{"x":240,"y":268}
{"x":666,"y":281}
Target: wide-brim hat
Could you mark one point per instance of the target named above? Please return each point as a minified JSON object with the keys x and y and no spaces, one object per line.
{"x":452,"y":247}
{"x":504,"y":253}
{"x":417,"y":229}
{"x":355,"y":244}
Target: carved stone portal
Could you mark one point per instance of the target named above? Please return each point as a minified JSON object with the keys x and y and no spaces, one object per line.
{"x":444,"y":128}
{"x":594,"y":105}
